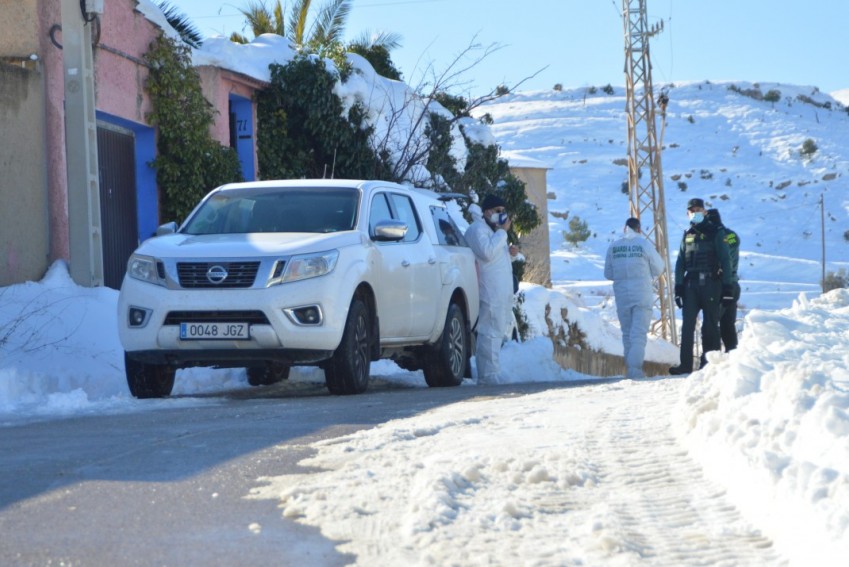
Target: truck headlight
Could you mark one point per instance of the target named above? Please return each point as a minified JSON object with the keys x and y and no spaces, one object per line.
{"x":143,"y":268}
{"x":308,"y":266}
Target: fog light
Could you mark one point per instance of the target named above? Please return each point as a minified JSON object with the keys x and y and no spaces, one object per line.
{"x":138,"y":316}
{"x":308,"y":315}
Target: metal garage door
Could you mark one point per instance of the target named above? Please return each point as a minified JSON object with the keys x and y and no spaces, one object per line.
{"x":116,"y":159}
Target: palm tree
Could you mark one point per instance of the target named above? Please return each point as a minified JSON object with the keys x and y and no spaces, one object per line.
{"x":376,"y":48}
{"x":261,"y":20}
{"x":328,"y":27}
{"x":325,"y":33}
{"x":368,"y":40}
{"x":180,"y":22}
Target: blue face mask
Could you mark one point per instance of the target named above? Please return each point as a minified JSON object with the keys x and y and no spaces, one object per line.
{"x":696,"y":218}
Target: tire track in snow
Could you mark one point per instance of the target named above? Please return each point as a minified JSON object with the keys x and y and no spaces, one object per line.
{"x":586,"y":476}
{"x":658,"y":505}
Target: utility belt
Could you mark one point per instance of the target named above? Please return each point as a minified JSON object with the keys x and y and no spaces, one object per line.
{"x":700,"y":278}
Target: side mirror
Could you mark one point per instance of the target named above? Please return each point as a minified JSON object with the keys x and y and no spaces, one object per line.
{"x":167,"y":228}
{"x":389,"y":231}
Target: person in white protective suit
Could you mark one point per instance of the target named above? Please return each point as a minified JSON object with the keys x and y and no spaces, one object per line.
{"x":632,"y":263}
{"x":487,"y":237}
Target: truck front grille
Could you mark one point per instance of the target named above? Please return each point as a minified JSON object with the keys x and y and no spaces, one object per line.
{"x":196,"y":274}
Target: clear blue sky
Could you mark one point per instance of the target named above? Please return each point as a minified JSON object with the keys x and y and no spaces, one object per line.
{"x":581,"y":42}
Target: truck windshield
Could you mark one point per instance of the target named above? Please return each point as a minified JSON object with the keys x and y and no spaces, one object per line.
{"x":241,"y":211}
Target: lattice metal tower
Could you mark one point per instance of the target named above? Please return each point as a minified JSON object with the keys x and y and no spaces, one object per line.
{"x":645,"y":174}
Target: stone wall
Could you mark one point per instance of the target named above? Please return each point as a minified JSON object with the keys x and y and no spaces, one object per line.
{"x":595,"y":363}
{"x":535,"y":245}
{"x":24,"y":230}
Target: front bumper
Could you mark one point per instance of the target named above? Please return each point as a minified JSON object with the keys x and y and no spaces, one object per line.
{"x":230,"y":358}
{"x":273,"y":334}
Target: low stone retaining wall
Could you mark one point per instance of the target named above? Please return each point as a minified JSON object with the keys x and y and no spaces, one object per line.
{"x":595,"y":363}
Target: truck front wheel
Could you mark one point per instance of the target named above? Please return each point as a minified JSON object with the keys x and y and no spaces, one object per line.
{"x":445,"y":363}
{"x":347,"y":371}
{"x":148,"y":380}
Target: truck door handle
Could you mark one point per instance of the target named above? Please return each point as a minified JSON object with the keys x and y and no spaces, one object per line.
{"x":405,"y":263}
{"x":431,"y":261}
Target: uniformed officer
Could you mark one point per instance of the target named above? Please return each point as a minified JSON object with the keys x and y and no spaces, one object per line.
{"x":728,"y":310}
{"x":702,"y":281}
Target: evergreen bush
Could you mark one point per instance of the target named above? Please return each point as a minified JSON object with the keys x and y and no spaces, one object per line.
{"x":303,"y":132}
{"x":578,"y":231}
{"x":189,"y":162}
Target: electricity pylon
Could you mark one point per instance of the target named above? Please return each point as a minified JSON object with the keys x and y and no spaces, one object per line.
{"x":645,"y":174}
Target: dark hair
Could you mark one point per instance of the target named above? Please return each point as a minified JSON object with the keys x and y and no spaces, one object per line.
{"x":634,"y":224}
{"x":491,"y":201}
{"x":713,"y":215}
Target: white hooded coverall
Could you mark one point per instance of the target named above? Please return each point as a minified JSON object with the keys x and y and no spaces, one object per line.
{"x":632,"y":263}
{"x":495,"y":279}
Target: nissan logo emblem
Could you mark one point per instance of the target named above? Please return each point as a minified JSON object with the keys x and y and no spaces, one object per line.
{"x":216,"y":274}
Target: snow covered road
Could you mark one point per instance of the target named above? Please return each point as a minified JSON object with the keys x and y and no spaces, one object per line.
{"x":542,"y":470}
{"x":580,"y":476}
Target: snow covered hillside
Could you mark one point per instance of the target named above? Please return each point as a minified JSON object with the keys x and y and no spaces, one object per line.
{"x":740,"y":154}
{"x":743,"y":463}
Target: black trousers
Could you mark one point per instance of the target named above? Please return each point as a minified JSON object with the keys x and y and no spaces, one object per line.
{"x":728,"y":321}
{"x":700,"y":294}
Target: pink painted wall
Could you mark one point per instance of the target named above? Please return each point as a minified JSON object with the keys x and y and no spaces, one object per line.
{"x":217,"y":85}
{"x":120,"y":78}
{"x":120,"y":75}
{"x":49,"y":13}
{"x":119,"y":90}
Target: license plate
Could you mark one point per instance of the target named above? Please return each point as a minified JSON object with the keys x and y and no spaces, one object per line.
{"x":213,"y":331}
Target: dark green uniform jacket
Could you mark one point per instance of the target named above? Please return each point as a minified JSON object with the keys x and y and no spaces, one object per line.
{"x":728,"y":313}
{"x":704,"y":250}
{"x":702,"y":270}
{"x":733,"y":242}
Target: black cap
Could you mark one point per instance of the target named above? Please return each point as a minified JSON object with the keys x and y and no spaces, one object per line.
{"x":492,"y":201}
{"x":694,"y":203}
{"x":633,"y":224}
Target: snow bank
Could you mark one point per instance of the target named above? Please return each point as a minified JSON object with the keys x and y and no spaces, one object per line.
{"x":770,"y":421}
{"x":60,"y":354}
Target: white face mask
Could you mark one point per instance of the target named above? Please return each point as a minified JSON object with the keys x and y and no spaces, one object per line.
{"x":498,"y":218}
{"x":696,"y":218}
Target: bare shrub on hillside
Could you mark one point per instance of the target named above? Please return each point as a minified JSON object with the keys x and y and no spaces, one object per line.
{"x":835,"y":280}
{"x":773,"y":96}
{"x":809,"y":148}
{"x":808,"y":100}
{"x":754,"y":92}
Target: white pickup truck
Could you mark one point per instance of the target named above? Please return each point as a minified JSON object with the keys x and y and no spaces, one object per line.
{"x":272,"y":274}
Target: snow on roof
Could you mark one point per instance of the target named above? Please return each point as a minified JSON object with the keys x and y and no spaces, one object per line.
{"x":516,"y":159}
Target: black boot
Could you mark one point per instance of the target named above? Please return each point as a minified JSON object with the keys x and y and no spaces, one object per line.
{"x":680,"y":370}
